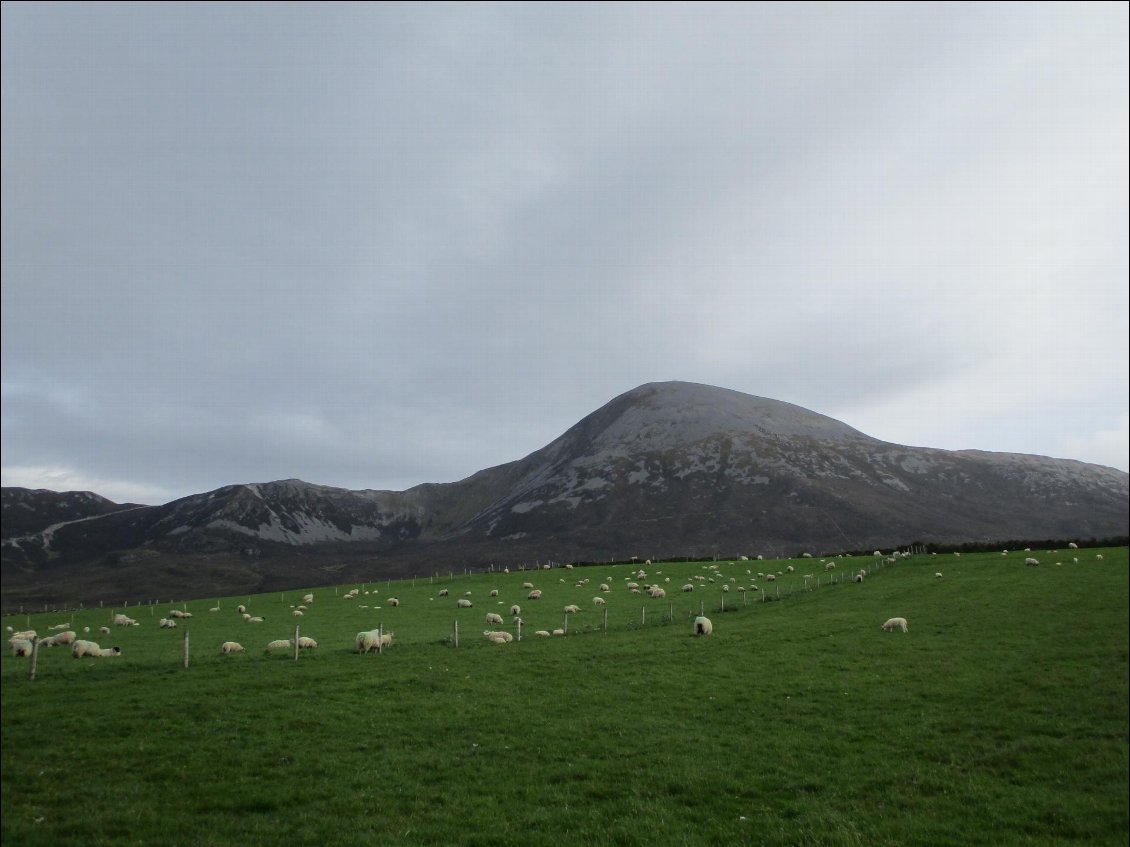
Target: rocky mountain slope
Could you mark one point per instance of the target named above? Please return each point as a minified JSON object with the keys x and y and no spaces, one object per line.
{"x":665,"y":469}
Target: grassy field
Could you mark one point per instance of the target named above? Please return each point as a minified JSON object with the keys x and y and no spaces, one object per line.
{"x":1000,"y":718}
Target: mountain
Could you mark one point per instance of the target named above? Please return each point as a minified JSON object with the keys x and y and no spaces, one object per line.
{"x":667,"y":469}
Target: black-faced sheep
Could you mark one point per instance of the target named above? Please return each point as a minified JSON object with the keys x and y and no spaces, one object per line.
{"x":20,"y":646}
{"x":703,"y":626}
{"x":895,"y":623}
{"x":515,"y":610}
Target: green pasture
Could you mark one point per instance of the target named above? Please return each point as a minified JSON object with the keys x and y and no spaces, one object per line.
{"x":1000,"y":718}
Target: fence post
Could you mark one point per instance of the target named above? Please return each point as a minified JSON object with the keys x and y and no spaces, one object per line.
{"x":34,"y":657}
{"x":186,"y":647}
{"x":456,"y":632}
{"x":606,"y":619}
{"x":296,"y":642}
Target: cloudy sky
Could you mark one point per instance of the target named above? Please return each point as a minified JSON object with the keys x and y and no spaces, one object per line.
{"x":376,"y":245}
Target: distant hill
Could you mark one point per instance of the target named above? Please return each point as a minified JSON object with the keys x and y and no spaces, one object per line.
{"x":667,"y":469}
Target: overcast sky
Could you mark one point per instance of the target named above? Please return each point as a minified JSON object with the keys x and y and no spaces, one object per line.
{"x":371,"y":246}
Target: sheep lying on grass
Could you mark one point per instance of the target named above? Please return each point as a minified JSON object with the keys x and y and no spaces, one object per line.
{"x":895,"y":623}
{"x":498,"y":637}
{"x":231,"y":647}
{"x":58,"y":638}
{"x":88,"y":648}
{"x":542,"y":633}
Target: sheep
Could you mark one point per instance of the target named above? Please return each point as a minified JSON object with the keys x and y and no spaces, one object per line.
{"x":231,"y":647}
{"x":598,"y":600}
{"x":246,"y":616}
{"x":178,"y":613}
{"x":297,"y":613}
{"x":280,"y":644}
{"x":895,"y":623}
{"x":494,"y":618}
{"x":558,"y":631}
{"x":372,"y":641}
{"x":166,"y":623}
{"x":515,"y":610}
{"x":240,"y":609}
{"x":770,"y":577}
{"x":726,"y":588}
{"x":572,"y":609}
{"x":688,"y":587}
{"x":1030,"y":562}
{"x":790,"y":569}
{"x":307,"y":598}
{"x":534,"y":595}
{"x":937,"y":576}
{"x":604,"y":586}
{"x":1099,"y":556}
{"x":105,"y":630}
{"x":21,"y":646}
{"x":306,"y":643}
{"x":542,"y":633}
{"x":89,"y":648}
{"x":527,"y":585}
{"x":393,"y":601}
{"x":123,"y":620}
{"x":215,"y":609}
{"x":656,"y":592}
{"x":1071,"y":545}
{"x":830,"y":566}
{"x":858,"y":577}
{"x":703,"y":626}
{"x":255,"y":619}
{"x":498,"y":637}
{"x":463,"y":603}
{"x":494,"y":592}
{"x":27,"y":634}
{"x":58,"y":638}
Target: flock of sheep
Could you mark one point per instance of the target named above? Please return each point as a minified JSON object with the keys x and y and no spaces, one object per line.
{"x":22,"y":643}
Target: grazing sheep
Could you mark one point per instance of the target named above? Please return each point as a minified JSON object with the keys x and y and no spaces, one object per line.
{"x":393,"y":601}
{"x":241,"y":609}
{"x":534,"y":595}
{"x":559,"y":631}
{"x":770,"y":577}
{"x":938,"y":575}
{"x":1099,"y":556}
{"x":494,"y":592}
{"x":306,"y":643}
{"x":542,"y":633}
{"x":88,"y":648}
{"x":124,"y":620}
{"x":1030,"y":562}
{"x":895,"y":623}
{"x":688,"y":587}
{"x":20,"y":646}
{"x":372,"y":641}
{"x":231,"y":647}
{"x":178,"y":613}
{"x":703,"y":626}
{"x":527,"y":585}
{"x":463,"y":603}
{"x":105,"y":630}
{"x":246,"y":616}
{"x":297,"y":613}
{"x":830,"y":566}
{"x":572,"y":609}
{"x":280,"y":644}
{"x":790,"y":569}
{"x":1071,"y":545}
{"x":495,"y":618}
{"x":599,"y":601}
{"x":515,"y":610}
{"x":604,"y":586}
{"x":858,"y":577}
{"x":656,"y":592}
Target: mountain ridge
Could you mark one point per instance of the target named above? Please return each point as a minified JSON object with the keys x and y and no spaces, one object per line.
{"x":671,"y":467}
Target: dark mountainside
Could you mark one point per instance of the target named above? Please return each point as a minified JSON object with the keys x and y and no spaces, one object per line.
{"x":667,"y":469}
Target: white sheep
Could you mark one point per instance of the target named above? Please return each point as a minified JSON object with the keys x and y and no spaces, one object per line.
{"x":703,"y":626}
{"x":558,"y":631}
{"x":1071,"y":545}
{"x":938,"y":576}
{"x":58,"y":638}
{"x":255,"y":619}
{"x":105,"y":630}
{"x":604,"y":586}
{"x":393,"y":601}
{"x":123,"y":620}
{"x":494,"y":592}
{"x":280,"y":644}
{"x":166,"y":623}
{"x":1099,"y":556}
{"x":20,"y":646}
{"x":656,"y":592}
{"x":534,"y":595}
{"x":89,"y":648}
{"x":542,"y":633}
{"x":598,"y":600}
{"x":298,"y":613}
{"x":572,"y":609}
{"x":858,"y":577}
{"x":895,"y":623}
{"x":307,"y":598}
{"x":240,"y":609}
{"x":527,"y":585}
{"x":231,"y":647}
{"x":498,"y":637}
{"x":306,"y":643}
{"x":494,"y":618}
{"x":373,"y":640}
{"x":770,"y":577}
{"x":463,"y":603}
{"x":1030,"y":562}
{"x":443,"y":592}
{"x":515,"y":610}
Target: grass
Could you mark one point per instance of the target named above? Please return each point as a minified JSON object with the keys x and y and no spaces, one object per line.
{"x":999,"y":719}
